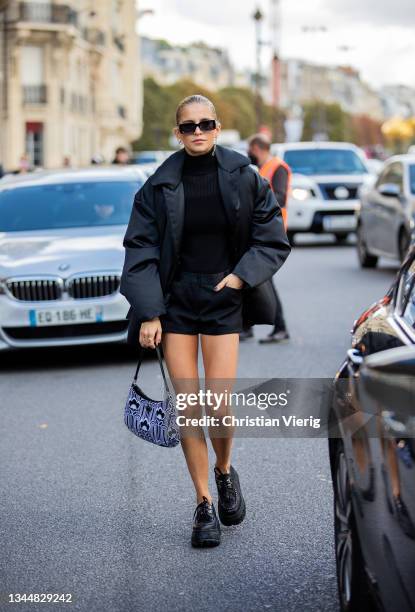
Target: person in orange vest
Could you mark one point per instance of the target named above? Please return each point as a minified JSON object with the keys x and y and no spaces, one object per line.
{"x":279,"y":175}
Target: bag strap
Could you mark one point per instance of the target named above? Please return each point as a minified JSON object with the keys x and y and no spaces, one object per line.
{"x":160,"y":359}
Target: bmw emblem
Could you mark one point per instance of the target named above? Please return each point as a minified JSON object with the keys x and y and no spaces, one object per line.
{"x":63,"y":267}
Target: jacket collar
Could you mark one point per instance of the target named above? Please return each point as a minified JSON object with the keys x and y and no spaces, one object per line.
{"x":170,"y":171}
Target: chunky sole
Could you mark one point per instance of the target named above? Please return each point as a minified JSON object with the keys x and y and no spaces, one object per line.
{"x":232,"y":519}
{"x":205,"y":540}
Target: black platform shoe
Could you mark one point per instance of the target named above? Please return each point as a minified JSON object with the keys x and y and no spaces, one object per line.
{"x":206,"y":526}
{"x":231,"y":505}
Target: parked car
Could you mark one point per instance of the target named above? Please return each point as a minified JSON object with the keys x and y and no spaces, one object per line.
{"x":61,"y":256}
{"x":372,"y":455}
{"x":325,"y":184}
{"x":386,"y":219}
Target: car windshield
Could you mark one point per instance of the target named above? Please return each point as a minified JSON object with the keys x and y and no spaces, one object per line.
{"x":412,"y":178}
{"x":324,"y":161}
{"x":68,"y":204}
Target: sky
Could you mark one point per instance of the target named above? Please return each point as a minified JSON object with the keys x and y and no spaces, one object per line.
{"x":379,"y":34}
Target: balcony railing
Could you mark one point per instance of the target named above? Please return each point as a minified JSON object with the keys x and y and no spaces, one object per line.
{"x":44,"y":12}
{"x":34,"y":94}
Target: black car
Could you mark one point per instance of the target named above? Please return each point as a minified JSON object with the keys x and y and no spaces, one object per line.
{"x":372,"y":454}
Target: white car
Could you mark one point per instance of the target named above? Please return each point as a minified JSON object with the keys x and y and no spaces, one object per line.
{"x":325,"y":186}
{"x":386,"y":220}
{"x":61,"y":256}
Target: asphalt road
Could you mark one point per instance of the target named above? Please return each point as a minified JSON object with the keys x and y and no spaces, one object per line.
{"x":88,"y":509}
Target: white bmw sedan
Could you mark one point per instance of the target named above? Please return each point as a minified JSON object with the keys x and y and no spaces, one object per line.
{"x":61,"y":256}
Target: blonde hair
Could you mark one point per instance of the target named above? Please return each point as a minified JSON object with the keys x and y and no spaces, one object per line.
{"x":194,"y":99}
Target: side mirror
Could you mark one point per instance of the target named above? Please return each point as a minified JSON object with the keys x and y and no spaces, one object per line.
{"x":390,"y":190}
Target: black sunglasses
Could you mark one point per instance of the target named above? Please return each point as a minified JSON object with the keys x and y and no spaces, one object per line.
{"x":207,"y":125}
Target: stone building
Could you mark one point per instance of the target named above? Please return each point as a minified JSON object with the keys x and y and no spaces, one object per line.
{"x":70,"y":80}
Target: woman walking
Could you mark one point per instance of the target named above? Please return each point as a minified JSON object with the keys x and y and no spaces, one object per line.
{"x":204,"y":228}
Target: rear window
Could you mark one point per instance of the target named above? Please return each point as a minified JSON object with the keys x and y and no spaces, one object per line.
{"x":66,"y":205}
{"x":324,"y":161}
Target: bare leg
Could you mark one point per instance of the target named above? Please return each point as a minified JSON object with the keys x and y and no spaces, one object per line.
{"x":220,"y":359}
{"x":180,"y":352}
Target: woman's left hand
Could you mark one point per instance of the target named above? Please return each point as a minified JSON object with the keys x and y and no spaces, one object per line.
{"x":231,"y":280}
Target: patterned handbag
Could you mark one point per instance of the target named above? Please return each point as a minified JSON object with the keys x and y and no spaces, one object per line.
{"x":152,"y":420}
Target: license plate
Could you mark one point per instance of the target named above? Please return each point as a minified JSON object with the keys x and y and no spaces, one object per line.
{"x":65,"y":316}
{"x":335,"y":222}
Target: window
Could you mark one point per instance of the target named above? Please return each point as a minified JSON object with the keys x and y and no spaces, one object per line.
{"x":31,"y":66}
{"x":62,"y":205}
{"x":32,"y":75}
{"x":406,"y":296}
{"x":391,"y":175}
{"x":324,"y":161}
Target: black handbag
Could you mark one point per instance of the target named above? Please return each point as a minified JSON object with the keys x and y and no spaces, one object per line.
{"x":260,"y":304}
{"x":149,"y":419}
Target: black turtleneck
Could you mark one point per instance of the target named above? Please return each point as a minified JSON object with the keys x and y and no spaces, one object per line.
{"x":205,"y":238}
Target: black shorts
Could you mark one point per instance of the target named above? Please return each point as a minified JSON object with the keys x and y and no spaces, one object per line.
{"x":194,"y":307}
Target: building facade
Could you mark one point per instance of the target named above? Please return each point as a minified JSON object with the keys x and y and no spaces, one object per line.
{"x":167,"y":63}
{"x":398,"y":101}
{"x":303,"y":82}
{"x":70,"y":79}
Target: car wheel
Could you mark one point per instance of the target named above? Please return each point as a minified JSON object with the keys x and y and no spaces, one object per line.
{"x":403,"y":244}
{"x":366,"y":260}
{"x":352,"y":582}
{"x":290,"y":236}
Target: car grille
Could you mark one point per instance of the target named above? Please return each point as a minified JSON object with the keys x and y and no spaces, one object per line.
{"x":328,"y":191}
{"x":78,"y":287}
{"x":82,"y":287}
{"x":34,"y":290}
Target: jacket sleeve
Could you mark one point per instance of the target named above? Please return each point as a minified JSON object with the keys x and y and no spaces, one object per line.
{"x":140,"y":280}
{"x":269,"y":245}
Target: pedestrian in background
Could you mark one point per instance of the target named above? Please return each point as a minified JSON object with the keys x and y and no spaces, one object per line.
{"x":122,"y":156}
{"x":202,"y":227}
{"x":278,"y":174}
{"x":24,"y":164}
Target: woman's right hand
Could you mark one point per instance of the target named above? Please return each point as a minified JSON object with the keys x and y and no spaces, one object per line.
{"x":150,"y":333}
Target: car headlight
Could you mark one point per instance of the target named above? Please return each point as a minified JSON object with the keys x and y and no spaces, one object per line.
{"x":301,"y":194}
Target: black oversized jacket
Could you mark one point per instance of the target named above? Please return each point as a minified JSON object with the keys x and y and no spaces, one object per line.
{"x":152,"y":240}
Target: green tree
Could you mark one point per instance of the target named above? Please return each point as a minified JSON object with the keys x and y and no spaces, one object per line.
{"x":235,"y":107}
{"x":329,"y":119}
{"x":156,"y":121}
